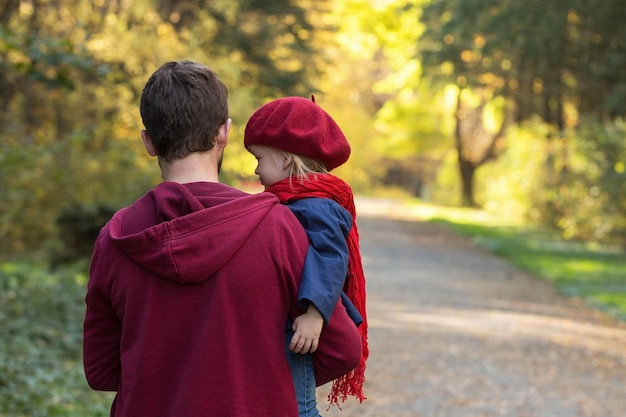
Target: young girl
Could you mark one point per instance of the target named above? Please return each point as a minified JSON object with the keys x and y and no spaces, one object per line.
{"x":296,"y":145}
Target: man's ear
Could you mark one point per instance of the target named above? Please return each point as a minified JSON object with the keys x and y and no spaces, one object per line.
{"x":147,"y":142}
{"x":224,"y":132}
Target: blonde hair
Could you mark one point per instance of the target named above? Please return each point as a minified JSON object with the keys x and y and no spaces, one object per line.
{"x":302,"y":166}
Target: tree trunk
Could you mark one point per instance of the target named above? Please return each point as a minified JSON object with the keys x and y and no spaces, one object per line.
{"x":467,"y":171}
{"x":474,"y":144}
{"x":465,"y":123}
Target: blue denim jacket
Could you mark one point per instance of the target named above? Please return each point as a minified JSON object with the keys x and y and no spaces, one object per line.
{"x":327,"y":224}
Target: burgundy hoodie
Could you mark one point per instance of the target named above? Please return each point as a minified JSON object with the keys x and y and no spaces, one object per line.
{"x":189,"y":291}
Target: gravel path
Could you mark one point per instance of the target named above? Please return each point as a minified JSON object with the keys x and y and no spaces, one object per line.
{"x":457,"y":332}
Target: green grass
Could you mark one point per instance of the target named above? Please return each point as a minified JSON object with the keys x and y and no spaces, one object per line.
{"x":595,"y":273}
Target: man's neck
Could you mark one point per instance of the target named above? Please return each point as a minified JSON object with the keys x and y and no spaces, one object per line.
{"x":196,"y":167}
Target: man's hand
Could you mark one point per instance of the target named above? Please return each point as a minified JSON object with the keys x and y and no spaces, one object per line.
{"x":307,"y":329}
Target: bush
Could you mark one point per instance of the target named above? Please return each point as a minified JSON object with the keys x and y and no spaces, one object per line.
{"x":41,"y":370}
{"x":574,"y":182}
{"x":585,"y":193}
{"x":79,"y":226}
{"x":511,"y":183}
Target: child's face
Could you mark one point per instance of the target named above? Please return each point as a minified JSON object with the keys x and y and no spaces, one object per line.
{"x":272,"y":164}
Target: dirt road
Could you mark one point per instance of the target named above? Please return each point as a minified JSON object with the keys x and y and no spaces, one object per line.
{"x":457,"y":332}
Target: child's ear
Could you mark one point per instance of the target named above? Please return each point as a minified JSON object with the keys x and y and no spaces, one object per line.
{"x":287,"y":161}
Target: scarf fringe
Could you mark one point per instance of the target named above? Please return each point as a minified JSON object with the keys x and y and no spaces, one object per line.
{"x":350,"y":384}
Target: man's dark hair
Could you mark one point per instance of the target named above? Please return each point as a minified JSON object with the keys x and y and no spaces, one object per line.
{"x":183,"y":105}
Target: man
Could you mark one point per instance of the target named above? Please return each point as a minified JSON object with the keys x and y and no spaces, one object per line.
{"x":191,"y":286}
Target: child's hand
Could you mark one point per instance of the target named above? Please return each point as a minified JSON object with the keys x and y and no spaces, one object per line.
{"x":307,"y":329}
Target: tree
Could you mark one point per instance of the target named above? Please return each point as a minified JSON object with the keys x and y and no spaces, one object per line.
{"x":553,"y":61}
{"x":71,"y":73}
{"x":549,"y":58}
{"x":475,"y":143}
{"x":409,"y":136}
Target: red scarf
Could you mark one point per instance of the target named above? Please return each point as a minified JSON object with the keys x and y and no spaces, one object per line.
{"x":334,"y":188}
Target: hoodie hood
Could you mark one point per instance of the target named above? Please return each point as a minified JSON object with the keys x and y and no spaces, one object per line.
{"x":187,"y":232}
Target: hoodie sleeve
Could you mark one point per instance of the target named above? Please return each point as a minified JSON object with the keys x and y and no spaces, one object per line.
{"x":102,"y":329}
{"x":327,"y":225}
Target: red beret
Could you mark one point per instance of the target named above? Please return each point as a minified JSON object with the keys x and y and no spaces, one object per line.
{"x":298,"y":126}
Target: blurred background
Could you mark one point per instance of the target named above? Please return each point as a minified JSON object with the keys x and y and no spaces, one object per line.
{"x":516,"y":108}
{"x":511,"y":106}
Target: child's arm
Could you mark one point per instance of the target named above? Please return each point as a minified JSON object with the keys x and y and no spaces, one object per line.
{"x":307,"y":330}
{"x":340,"y":348}
{"x":327,"y":225}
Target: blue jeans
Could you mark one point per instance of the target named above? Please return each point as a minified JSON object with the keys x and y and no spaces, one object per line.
{"x":304,"y":381}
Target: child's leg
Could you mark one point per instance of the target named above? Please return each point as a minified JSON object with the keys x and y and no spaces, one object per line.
{"x":304,"y":381}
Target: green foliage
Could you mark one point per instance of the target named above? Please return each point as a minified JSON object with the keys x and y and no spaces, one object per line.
{"x":555,"y":60}
{"x":79,"y":226}
{"x":41,"y":343}
{"x":543,"y":54}
{"x":513,"y":182}
{"x":71,"y":74}
{"x":588,"y":198}
{"x":377,"y":68}
{"x":573,"y":183}
{"x":447,"y":186}
{"x":415,"y":123}
{"x":42,"y":180}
